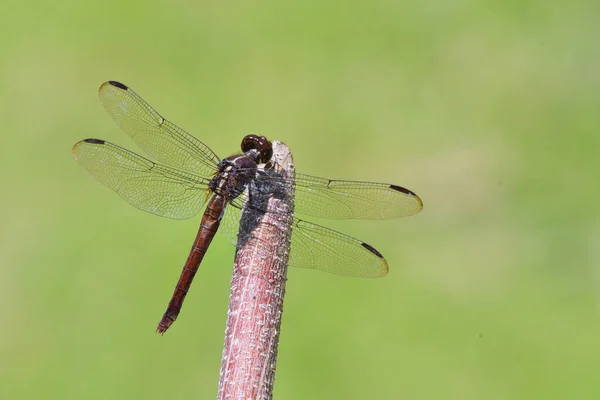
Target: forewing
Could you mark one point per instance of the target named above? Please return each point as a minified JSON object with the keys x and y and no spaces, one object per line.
{"x":336,"y":199}
{"x":158,"y":137}
{"x":151,"y":187}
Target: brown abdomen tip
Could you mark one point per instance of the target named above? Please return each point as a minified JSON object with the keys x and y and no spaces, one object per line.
{"x":371,"y":249}
{"x":118,"y":84}
{"x":163,"y":325}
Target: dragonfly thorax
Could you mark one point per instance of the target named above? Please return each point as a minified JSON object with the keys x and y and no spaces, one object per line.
{"x":233,"y":176}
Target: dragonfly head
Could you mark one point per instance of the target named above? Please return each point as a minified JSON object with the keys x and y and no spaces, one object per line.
{"x":259,"y":143}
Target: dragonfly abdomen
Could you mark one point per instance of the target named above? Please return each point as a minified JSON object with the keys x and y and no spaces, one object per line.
{"x":209,"y":226}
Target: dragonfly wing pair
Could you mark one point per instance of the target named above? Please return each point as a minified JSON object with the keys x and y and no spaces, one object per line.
{"x":178,"y":188}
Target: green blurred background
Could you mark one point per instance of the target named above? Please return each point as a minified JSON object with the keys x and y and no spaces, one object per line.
{"x":488,"y":110}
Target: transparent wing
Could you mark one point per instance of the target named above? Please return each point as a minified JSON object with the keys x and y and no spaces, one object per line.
{"x":151,"y":187}
{"x":159,"y":138}
{"x":230,"y":223}
{"x":334,"y":199}
{"x":317,"y":247}
{"x":314,"y":246}
{"x":319,"y":197}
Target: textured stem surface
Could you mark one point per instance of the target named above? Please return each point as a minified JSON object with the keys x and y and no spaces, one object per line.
{"x":258,"y":286}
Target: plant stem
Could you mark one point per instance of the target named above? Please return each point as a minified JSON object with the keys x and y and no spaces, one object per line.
{"x":258,"y":287}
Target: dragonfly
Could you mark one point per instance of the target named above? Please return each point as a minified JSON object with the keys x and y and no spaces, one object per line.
{"x":183,"y":174}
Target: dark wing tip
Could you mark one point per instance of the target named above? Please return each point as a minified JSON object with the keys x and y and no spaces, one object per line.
{"x":371,"y":249}
{"x":382,"y":270}
{"x":118,"y":84}
{"x":408,"y":193}
{"x":401,"y":189}
{"x":94,"y":141}
{"x":75,"y":150}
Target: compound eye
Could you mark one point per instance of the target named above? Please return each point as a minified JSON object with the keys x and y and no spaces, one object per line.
{"x":260,"y":144}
